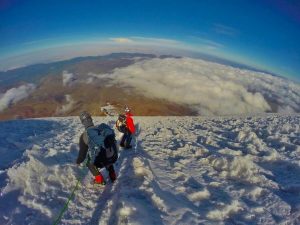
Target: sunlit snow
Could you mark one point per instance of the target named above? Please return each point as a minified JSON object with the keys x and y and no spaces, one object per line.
{"x":182,"y":170}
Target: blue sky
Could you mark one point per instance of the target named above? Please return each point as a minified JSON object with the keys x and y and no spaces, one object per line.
{"x":261,"y":33}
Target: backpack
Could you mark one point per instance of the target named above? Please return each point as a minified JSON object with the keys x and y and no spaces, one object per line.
{"x":102,"y":143}
{"x":121,"y":123}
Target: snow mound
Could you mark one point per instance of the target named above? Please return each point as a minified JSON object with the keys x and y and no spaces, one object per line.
{"x":226,"y":211}
{"x":199,"y":195}
{"x":182,"y":170}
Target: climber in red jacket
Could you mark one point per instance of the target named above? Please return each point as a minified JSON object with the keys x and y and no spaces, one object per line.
{"x":127,"y":129}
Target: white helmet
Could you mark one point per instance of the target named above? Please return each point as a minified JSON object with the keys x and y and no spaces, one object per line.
{"x":127,"y":109}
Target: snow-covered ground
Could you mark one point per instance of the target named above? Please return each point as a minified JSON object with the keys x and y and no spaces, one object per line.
{"x":182,"y":170}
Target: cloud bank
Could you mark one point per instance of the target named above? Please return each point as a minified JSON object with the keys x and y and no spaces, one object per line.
{"x":121,"y":40}
{"x":209,"y":88}
{"x":14,"y":95}
{"x":67,"y":78}
{"x":68,"y":106}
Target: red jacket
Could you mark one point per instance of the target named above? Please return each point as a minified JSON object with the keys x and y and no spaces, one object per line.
{"x":129,"y":122}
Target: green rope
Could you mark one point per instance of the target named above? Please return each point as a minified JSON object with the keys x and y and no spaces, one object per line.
{"x":71,"y":196}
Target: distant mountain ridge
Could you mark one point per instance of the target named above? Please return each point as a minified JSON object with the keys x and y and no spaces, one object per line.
{"x":33,"y":73}
{"x":227,"y":62}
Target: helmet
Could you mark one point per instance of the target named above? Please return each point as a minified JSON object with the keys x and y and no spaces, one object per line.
{"x":127,"y":109}
{"x":86,"y":119}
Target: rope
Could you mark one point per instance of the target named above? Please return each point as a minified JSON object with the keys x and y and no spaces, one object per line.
{"x":71,"y":196}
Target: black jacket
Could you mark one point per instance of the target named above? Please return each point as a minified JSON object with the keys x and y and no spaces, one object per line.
{"x":83,"y":148}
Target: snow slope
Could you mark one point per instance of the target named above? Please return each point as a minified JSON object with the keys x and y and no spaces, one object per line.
{"x":182,"y":170}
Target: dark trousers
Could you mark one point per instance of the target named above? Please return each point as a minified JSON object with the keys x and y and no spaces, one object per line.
{"x":94,"y":169}
{"x":98,"y":162}
{"x":126,"y":139}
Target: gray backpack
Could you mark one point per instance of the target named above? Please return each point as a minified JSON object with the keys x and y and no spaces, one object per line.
{"x":102,"y":143}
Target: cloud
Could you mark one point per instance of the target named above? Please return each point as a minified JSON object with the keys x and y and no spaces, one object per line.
{"x":210,"y":88}
{"x":149,"y":41}
{"x":40,"y":41}
{"x":14,"y":95}
{"x":226,"y":30}
{"x":206,"y":43}
{"x":121,"y":40}
{"x":68,"y":78}
{"x":156,"y":41}
{"x":65,"y":108}
{"x":93,"y":76}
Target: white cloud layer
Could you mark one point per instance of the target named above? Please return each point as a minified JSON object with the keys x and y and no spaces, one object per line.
{"x":210,"y":88}
{"x":121,"y":40}
{"x":68,"y":78}
{"x":14,"y":95}
{"x":68,"y":106}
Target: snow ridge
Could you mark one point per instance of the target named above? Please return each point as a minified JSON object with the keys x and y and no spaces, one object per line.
{"x":182,"y":170}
